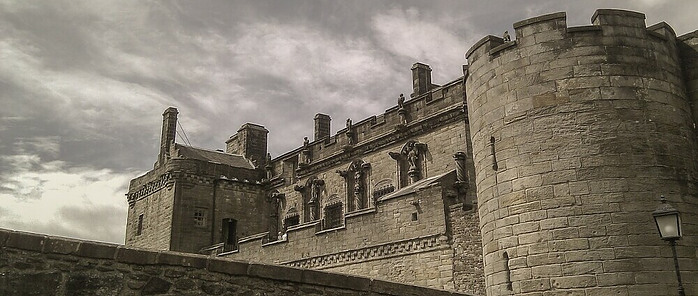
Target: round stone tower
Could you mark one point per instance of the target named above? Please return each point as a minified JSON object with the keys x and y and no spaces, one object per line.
{"x":576,"y":132}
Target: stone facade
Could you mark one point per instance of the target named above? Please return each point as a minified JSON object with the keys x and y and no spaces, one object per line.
{"x":576,"y":132}
{"x":533,"y":174}
{"x":382,"y":190}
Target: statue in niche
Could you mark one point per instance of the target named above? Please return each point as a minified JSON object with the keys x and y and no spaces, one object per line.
{"x":413,"y":157}
{"x":315,"y":191}
{"x":358,"y":189}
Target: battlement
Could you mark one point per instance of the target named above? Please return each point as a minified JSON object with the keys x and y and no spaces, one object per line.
{"x":538,"y":34}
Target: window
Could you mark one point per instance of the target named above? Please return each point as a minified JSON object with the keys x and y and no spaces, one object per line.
{"x":333,"y":216}
{"x":290,"y":221}
{"x":414,"y":216}
{"x":139,"y":228}
{"x":200,"y":217}
{"x":229,"y":234}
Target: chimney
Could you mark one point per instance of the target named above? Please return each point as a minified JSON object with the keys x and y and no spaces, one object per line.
{"x":322,"y":126}
{"x":251,"y":142}
{"x":169,"y":128}
{"x":421,"y":79}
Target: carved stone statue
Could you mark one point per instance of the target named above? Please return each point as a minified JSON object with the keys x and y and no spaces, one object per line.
{"x":401,"y":101}
{"x":358,"y":190}
{"x":413,"y":158}
{"x":315,"y":191}
{"x":349,"y":124}
{"x":506,"y":36}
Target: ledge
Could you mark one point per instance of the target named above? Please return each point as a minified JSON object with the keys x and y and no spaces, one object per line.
{"x":618,"y":12}
{"x":39,"y":243}
{"x":588,"y":28}
{"x":539,"y":19}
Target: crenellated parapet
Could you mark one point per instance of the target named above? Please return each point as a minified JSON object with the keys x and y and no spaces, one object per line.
{"x":439,"y":106}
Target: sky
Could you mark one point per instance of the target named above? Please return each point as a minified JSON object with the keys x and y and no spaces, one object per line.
{"x":83,"y":84}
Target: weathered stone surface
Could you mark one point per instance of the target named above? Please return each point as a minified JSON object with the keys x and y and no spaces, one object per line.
{"x":43,"y":283}
{"x":87,"y":283}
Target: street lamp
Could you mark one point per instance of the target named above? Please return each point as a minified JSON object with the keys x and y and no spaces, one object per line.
{"x":668,"y":222}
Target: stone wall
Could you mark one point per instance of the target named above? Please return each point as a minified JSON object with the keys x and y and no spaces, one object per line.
{"x":576,"y":133}
{"x":33,"y":264}
{"x":371,"y":242}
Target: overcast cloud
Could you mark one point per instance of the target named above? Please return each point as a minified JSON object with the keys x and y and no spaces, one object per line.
{"x":83,"y":83}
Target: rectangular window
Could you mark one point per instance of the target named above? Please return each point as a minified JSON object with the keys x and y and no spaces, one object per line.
{"x":229,"y":235}
{"x":333,"y":216}
{"x":139,"y":228}
{"x":200,"y":217}
{"x":290,"y":221}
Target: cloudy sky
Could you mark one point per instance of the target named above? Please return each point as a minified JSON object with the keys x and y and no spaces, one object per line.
{"x":83,"y":83}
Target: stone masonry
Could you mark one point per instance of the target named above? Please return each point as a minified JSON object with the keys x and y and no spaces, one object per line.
{"x":33,"y":264}
{"x":576,"y":132}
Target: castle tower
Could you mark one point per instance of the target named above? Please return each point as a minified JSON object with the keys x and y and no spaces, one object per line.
{"x":576,"y":132}
{"x":169,"y":128}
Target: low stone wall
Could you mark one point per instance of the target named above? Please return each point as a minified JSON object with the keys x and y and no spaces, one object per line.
{"x":32,"y":264}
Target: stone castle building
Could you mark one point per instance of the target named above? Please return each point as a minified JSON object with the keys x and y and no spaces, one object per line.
{"x":535,"y":173}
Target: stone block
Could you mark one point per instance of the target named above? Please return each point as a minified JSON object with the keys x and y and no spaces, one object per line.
{"x":180,"y":259}
{"x":134,"y":256}
{"x":61,"y":246}
{"x":26,"y":241}
{"x":579,"y":281}
{"x":335,"y":280}
{"x":228,"y":266}
{"x":274,"y":272}
{"x":97,"y":250}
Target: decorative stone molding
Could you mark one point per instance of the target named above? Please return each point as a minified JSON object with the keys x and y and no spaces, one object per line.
{"x":149,"y":188}
{"x":382,"y":251}
{"x":447,"y":116}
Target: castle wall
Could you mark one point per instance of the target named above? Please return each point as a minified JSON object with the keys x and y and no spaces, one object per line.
{"x":169,"y":195}
{"x":590,"y":125}
{"x":157,"y":220}
{"x":33,"y":264}
{"x":217,"y":200}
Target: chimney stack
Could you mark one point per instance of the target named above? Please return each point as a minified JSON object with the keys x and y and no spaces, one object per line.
{"x":251,"y":142}
{"x":169,"y":129}
{"x":421,"y":79}
{"x":322,"y":126}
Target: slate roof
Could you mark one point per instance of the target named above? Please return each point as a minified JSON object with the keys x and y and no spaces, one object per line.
{"x":213,"y":156}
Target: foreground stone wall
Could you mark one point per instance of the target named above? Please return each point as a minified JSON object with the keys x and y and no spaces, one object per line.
{"x":32,"y":264}
{"x":576,"y":133}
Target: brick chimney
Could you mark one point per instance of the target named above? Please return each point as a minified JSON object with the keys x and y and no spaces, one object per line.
{"x":169,"y":129}
{"x":322,"y":126}
{"x":251,"y":142}
{"x":421,"y":79}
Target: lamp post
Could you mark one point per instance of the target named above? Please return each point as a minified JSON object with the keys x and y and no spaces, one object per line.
{"x":668,"y":223}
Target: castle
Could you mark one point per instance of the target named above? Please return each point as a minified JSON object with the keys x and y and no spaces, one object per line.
{"x":535,"y":173}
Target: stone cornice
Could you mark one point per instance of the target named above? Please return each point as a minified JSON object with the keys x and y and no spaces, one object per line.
{"x":376,"y":252}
